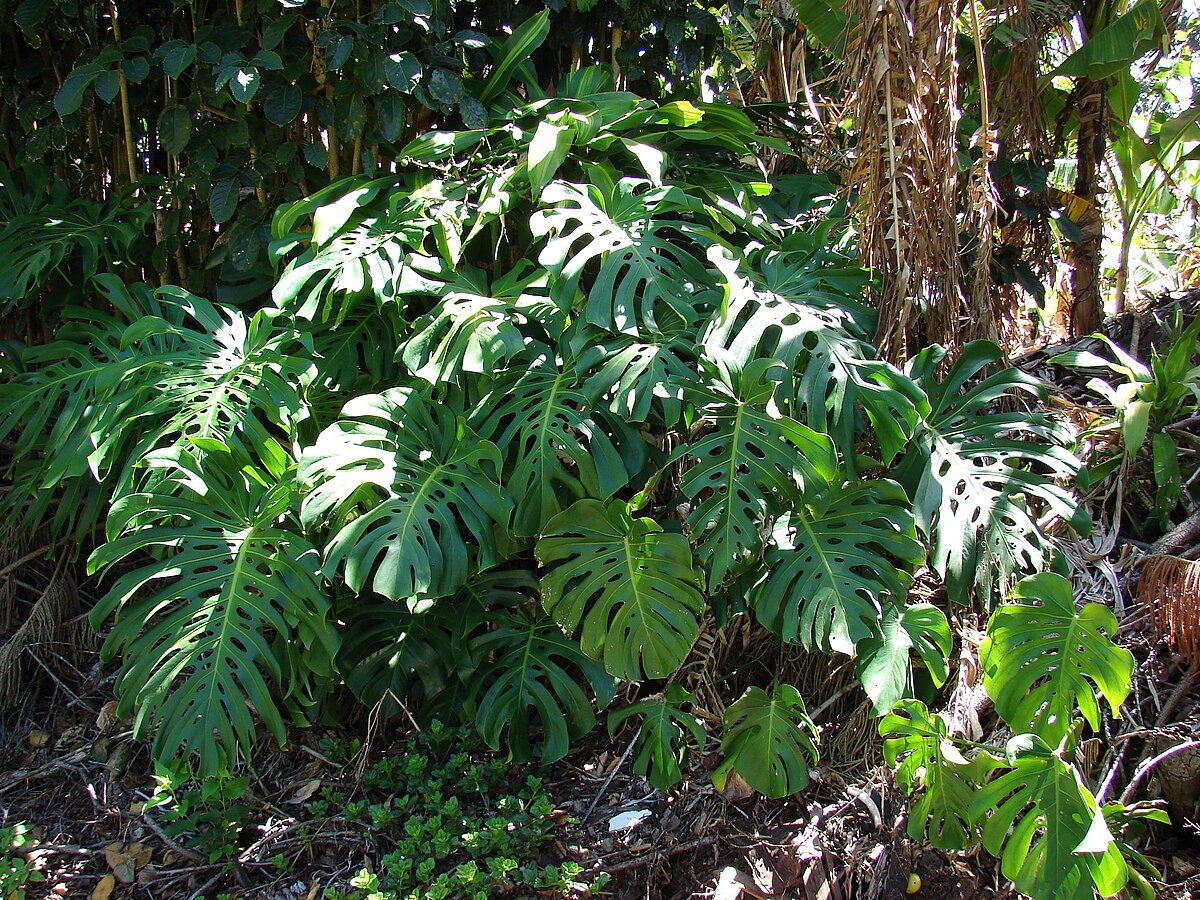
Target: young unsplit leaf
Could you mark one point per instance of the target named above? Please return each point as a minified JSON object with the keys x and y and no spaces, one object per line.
{"x":228,"y":615}
{"x":662,"y":746}
{"x":769,"y":741}
{"x":748,"y":468}
{"x":1043,"y":824}
{"x":410,"y":494}
{"x":830,"y":573}
{"x":916,"y":744}
{"x":541,"y":419}
{"x":627,"y":586}
{"x":530,"y":671}
{"x":885,"y":659}
{"x":1041,"y":657}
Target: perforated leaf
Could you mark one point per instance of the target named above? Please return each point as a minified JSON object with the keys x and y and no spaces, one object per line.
{"x":748,"y":468}
{"x":835,"y":563}
{"x":770,"y":741}
{"x":627,"y":587}
{"x":409,"y":493}
{"x":531,"y":676}
{"x":228,"y":613}
{"x":555,"y":448}
{"x":978,"y":488}
{"x":1037,"y":816}
{"x":1042,"y":658}
{"x":927,"y":763}
{"x":661,"y":749}
{"x":644,"y":276}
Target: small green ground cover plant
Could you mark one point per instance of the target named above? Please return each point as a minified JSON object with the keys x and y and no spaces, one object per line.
{"x":448,"y":819}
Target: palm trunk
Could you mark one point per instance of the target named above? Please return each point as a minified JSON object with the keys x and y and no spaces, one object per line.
{"x":1087,"y":307}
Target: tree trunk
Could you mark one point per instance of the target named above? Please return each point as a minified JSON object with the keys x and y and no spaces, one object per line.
{"x":1086,"y":306}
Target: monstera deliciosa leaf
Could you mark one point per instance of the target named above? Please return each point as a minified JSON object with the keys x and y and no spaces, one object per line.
{"x":1045,"y":827}
{"x":977,"y":487}
{"x":473,"y":329}
{"x":228,"y":614}
{"x":629,"y":587}
{"x":821,"y":343}
{"x":769,"y":740}
{"x":555,"y":449}
{"x":647,"y":280}
{"x":531,"y":673}
{"x":836,"y":561}
{"x":411,"y":496}
{"x":662,"y":743}
{"x":918,"y":747}
{"x":749,"y":467}
{"x":885,"y":659}
{"x":1042,"y":656}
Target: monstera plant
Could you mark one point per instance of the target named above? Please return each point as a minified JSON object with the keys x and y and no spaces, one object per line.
{"x":518,"y":418}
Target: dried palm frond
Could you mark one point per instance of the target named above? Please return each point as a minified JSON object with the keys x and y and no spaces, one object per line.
{"x":983,"y":203}
{"x":58,"y":602}
{"x":902,"y":69}
{"x":1170,"y":591}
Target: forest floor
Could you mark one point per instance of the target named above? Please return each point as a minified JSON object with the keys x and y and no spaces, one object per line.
{"x":312,"y":816}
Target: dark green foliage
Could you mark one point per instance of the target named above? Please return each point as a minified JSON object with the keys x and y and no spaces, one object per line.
{"x":575,"y":402}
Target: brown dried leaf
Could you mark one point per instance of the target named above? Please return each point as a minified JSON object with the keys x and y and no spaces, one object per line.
{"x":104,"y":889}
{"x":305,"y":791}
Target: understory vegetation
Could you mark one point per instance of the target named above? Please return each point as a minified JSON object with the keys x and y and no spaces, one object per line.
{"x":494,"y":427}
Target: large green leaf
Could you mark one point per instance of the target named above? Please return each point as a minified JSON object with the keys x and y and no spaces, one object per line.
{"x":227,"y":614}
{"x":556,"y":449}
{"x":211,"y":379}
{"x":530,"y":672}
{"x":835,"y":563}
{"x":784,"y":310}
{"x":978,"y":488}
{"x":172,"y":370}
{"x":627,"y":586}
{"x":748,"y":468}
{"x":770,"y":741}
{"x":1043,"y":824}
{"x":472,"y":330}
{"x":635,"y":376}
{"x":661,"y":747}
{"x":409,"y":492}
{"x":1041,"y":657}
{"x":926,"y":761}
{"x":885,"y":659}
{"x":644,"y":276}
{"x":1123,"y":41}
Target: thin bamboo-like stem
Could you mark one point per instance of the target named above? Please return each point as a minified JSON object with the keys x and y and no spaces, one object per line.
{"x":126,"y":113}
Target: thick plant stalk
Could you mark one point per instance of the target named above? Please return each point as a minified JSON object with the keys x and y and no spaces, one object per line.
{"x":126,"y":116}
{"x":902,"y":67}
{"x":1086,"y":308}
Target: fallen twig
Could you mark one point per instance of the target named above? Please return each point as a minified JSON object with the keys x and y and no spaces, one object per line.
{"x":639,"y":861}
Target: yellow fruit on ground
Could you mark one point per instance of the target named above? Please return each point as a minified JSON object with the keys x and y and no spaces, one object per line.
{"x":914,"y":883}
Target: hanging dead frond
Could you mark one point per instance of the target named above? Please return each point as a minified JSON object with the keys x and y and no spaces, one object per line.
{"x":58,"y":602}
{"x":1170,"y":591}
{"x":983,"y":204}
{"x":902,"y":69}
